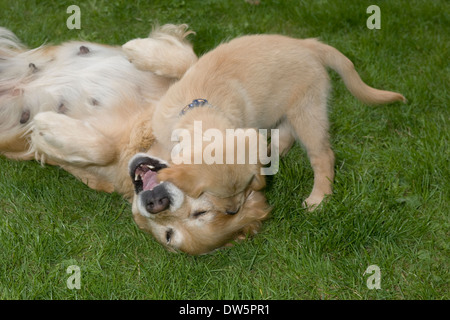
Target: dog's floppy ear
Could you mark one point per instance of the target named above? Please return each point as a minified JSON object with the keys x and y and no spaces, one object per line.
{"x":187,"y":178}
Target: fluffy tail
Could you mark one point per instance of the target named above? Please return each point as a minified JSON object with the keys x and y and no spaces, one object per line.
{"x":334,"y":59}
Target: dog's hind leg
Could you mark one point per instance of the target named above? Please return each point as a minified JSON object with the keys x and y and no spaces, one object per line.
{"x":310,"y":123}
{"x":165,"y":52}
{"x":66,"y":140}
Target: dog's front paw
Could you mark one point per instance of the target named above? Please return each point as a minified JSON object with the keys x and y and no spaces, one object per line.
{"x":62,"y":139}
{"x":47,"y":134}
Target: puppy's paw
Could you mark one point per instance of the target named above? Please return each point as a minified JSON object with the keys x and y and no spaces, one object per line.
{"x":313,"y":202}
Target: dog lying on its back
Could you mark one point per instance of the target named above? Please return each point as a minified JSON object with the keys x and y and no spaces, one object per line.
{"x":84,"y":106}
{"x":262,"y":81}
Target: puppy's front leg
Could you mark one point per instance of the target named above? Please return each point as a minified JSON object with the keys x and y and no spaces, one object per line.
{"x":65,"y":140}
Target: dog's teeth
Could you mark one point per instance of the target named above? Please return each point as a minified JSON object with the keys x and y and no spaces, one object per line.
{"x":137,"y":177}
{"x":161,"y":182}
{"x":150,"y":167}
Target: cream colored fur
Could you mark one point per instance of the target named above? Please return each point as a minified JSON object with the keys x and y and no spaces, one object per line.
{"x":84,"y":106}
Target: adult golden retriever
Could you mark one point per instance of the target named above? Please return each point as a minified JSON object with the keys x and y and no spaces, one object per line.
{"x":260,"y":81}
{"x":84,"y":106}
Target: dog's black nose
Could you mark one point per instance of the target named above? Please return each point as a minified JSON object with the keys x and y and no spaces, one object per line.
{"x":156,"y":200}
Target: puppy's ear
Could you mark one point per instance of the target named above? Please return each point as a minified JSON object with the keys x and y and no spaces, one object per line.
{"x":186,"y":177}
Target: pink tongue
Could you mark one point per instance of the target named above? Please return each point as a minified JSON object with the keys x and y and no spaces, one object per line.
{"x":149,"y":180}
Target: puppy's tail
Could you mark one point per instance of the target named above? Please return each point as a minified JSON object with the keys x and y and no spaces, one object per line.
{"x":334,"y":59}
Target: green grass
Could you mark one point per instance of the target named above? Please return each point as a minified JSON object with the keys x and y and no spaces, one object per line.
{"x":390,"y":205}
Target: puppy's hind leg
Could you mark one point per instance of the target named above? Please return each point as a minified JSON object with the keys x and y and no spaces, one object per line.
{"x":310,"y":123}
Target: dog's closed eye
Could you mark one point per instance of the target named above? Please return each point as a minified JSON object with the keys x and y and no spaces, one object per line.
{"x":198,"y":213}
{"x":169,"y":234}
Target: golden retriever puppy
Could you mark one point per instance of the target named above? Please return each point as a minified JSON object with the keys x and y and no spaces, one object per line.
{"x":84,"y":106}
{"x":264,"y":81}
{"x":261,"y":81}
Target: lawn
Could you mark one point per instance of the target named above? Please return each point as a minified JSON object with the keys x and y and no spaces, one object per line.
{"x":390,"y":206}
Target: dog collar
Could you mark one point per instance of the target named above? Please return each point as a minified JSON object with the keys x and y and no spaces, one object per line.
{"x":195,"y":103}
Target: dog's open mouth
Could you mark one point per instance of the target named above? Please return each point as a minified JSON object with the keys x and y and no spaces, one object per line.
{"x":143,"y":172}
